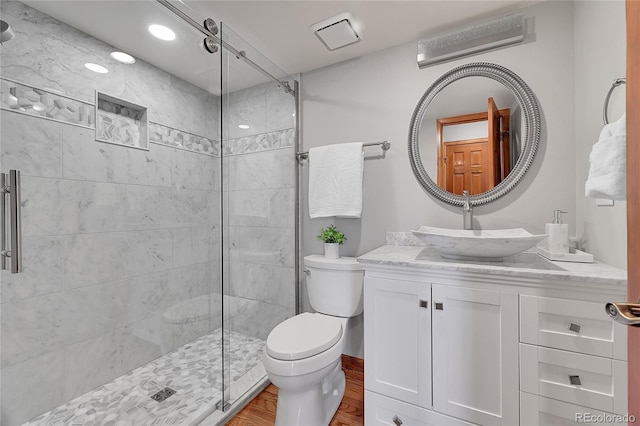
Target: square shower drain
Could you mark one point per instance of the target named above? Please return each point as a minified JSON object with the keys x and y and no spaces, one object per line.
{"x":163,"y":394}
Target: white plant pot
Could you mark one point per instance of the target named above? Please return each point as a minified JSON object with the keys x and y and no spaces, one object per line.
{"x":331,"y":250}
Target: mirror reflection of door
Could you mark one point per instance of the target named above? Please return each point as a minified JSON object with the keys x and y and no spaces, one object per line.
{"x":473,"y":150}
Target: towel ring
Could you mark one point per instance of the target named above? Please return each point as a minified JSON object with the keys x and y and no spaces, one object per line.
{"x":617,"y":82}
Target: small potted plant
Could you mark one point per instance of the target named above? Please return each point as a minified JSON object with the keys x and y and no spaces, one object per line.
{"x":332,"y":239}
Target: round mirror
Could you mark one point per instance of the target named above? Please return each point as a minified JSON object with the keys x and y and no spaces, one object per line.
{"x":479,"y":134}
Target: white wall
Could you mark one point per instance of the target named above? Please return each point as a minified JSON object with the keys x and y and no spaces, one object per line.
{"x":600,"y":57}
{"x":372,"y":98}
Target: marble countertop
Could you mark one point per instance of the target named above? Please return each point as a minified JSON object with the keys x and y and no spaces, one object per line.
{"x":527,"y":264}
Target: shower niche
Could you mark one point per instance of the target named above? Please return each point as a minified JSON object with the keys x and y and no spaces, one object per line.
{"x":121,"y":122}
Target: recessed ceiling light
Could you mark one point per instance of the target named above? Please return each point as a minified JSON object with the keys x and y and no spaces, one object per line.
{"x":243,"y":126}
{"x":336,"y":32}
{"x":96,"y":68}
{"x":162,"y":32}
{"x":123,"y":57}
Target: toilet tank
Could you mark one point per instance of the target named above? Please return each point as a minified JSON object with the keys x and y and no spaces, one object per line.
{"x":334,"y":285}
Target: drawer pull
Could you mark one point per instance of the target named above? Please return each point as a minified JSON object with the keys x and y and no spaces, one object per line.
{"x":397,"y":420}
{"x":575,"y":327}
{"x":575,"y":380}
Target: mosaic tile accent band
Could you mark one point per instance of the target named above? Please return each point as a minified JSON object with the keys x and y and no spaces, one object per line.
{"x":165,"y":135}
{"x":26,"y":99}
{"x":193,"y":371}
{"x":33,"y":101}
{"x":261,"y":142}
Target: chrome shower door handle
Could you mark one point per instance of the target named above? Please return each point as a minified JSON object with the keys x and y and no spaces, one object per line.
{"x":16,"y":221}
{"x":15,"y":252}
{"x":3,"y":221}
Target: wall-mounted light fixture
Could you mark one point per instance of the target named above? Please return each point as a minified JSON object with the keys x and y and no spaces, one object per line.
{"x":470,"y":39}
{"x":336,"y":32}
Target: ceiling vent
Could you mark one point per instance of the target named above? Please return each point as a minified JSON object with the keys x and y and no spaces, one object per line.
{"x":336,"y":32}
{"x":471,"y":39}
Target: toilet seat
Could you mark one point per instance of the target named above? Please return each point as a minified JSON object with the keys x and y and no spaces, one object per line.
{"x":303,"y":336}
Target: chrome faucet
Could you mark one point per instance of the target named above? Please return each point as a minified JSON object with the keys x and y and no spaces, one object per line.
{"x":467,"y":211}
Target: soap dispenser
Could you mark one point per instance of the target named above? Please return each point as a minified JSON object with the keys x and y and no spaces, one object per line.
{"x":558,"y":234}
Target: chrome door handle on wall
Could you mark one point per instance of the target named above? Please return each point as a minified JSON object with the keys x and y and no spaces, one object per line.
{"x":625,"y":313}
{"x":15,"y":252}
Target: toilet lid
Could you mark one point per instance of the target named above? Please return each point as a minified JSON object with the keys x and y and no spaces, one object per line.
{"x":303,"y":336}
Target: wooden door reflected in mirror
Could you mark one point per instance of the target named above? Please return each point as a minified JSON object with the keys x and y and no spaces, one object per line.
{"x":473,"y":150}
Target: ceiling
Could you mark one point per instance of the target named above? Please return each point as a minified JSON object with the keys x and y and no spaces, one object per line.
{"x":280,"y":30}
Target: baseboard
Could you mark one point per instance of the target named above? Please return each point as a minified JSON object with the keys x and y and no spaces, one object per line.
{"x":352,"y":363}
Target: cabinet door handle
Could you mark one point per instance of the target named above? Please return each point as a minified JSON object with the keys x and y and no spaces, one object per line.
{"x":397,"y":420}
{"x":439,"y":306}
{"x":575,"y":327}
{"x":424,"y":303}
{"x":575,"y":380}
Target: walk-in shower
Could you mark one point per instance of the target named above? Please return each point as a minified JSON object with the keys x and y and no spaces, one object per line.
{"x":158,"y":210}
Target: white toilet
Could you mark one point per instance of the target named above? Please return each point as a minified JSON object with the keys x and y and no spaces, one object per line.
{"x":302,"y":356}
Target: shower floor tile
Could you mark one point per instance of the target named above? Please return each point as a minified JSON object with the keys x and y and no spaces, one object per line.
{"x":193,"y":371}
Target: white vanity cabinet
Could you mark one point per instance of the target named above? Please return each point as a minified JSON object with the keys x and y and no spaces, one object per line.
{"x":467,"y":336}
{"x":458,"y":344}
{"x":399,"y":354}
{"x":475,"y":354}
{"x":573,"y":361}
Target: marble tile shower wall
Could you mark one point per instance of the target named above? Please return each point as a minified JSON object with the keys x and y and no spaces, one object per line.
{"x":57,"y":52}
{"x":113,"y":237}
{"x":258,"y":175}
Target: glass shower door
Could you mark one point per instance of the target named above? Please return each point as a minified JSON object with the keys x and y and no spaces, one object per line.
{"x":258,"y":209}
{"x":117,"y":314}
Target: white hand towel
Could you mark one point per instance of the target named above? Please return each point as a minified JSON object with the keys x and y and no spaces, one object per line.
{"x":608,"y":172}
{"x":335,"y":180}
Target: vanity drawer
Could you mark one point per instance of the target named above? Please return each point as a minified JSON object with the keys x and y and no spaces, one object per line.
{"x":382,"y":410}
{"x":537,"y":410}
{"x":589,"y":381}
{"x":572,"y":325}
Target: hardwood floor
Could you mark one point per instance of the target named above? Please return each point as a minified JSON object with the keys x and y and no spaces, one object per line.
{"x":261,"y":411}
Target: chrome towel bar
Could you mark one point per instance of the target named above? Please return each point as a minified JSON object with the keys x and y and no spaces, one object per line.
{"x":386,"y":145}
{"x":617,"y":82}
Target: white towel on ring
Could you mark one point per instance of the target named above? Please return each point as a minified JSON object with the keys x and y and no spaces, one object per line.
{"x":335,"y":180}
{"x":608,"y":172}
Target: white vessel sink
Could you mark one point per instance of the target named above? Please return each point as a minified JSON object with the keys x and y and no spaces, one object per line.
{"x":478,"y":245}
